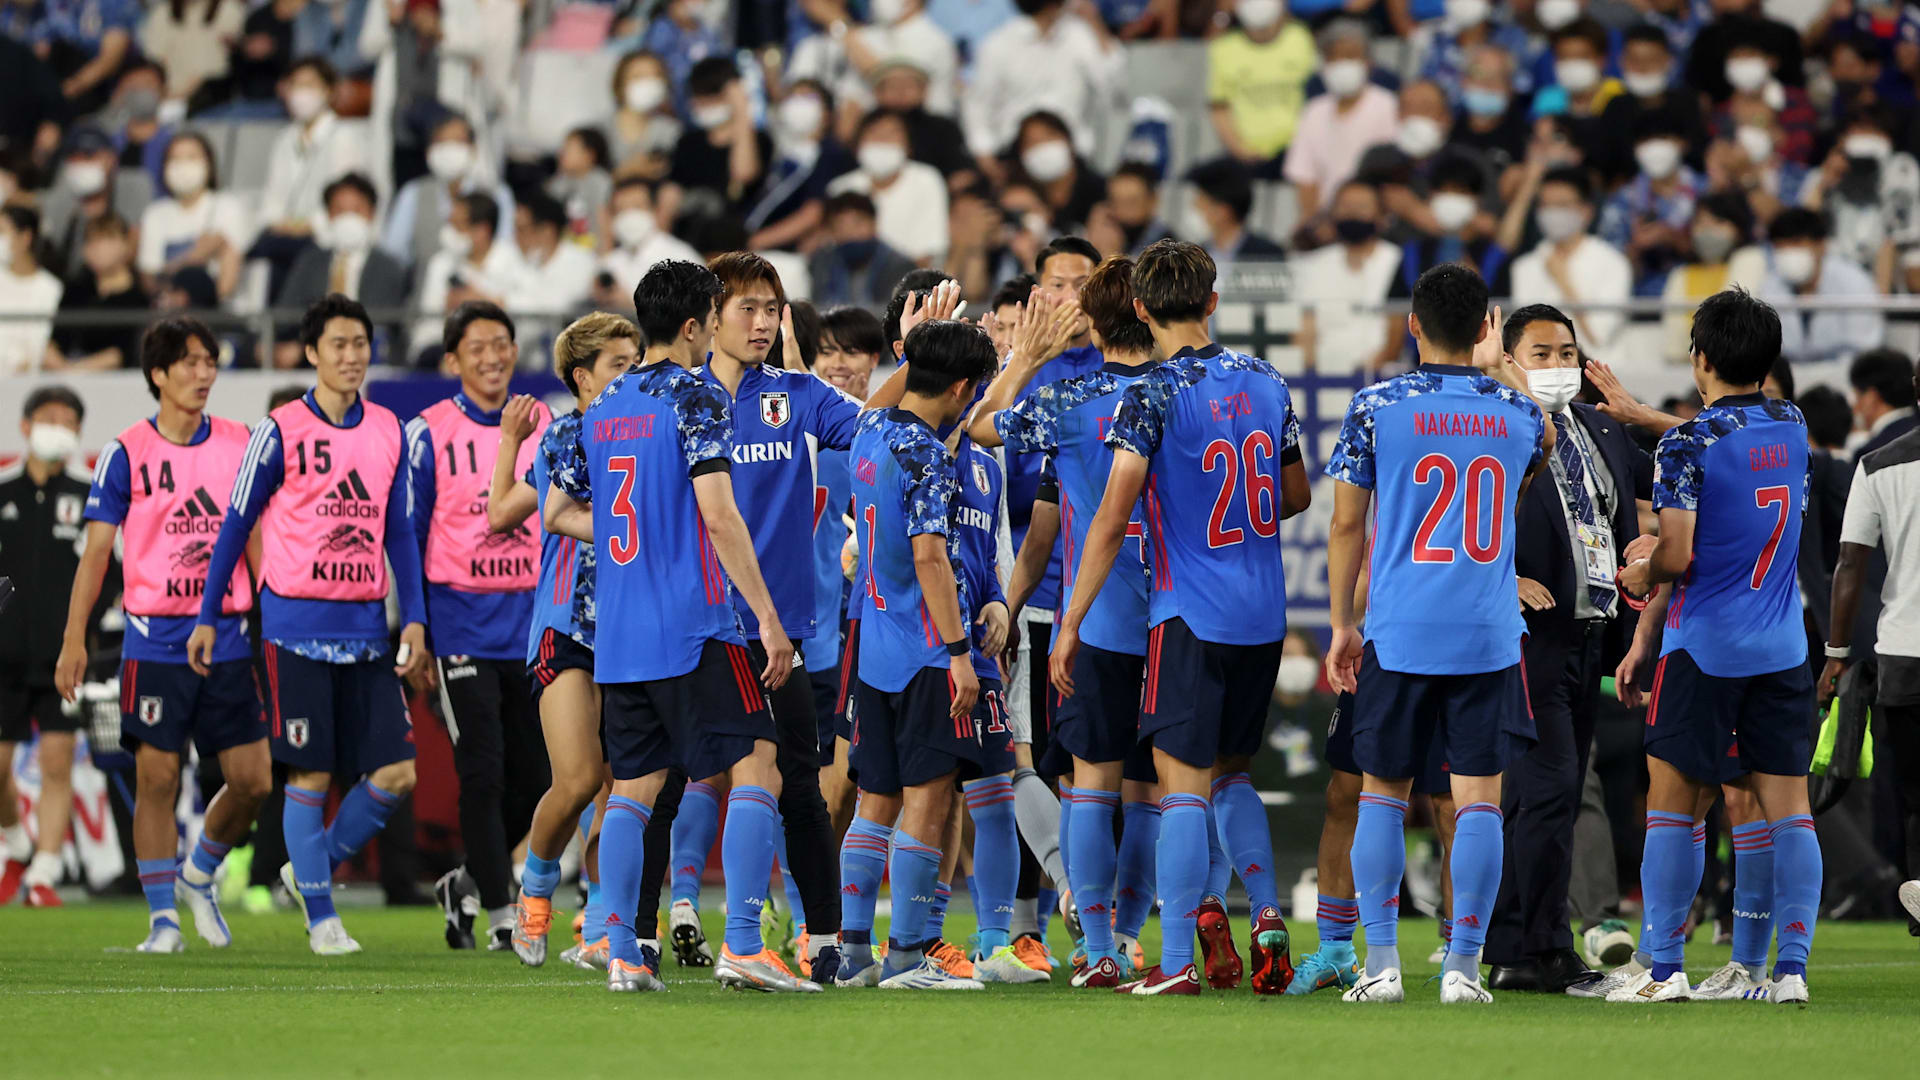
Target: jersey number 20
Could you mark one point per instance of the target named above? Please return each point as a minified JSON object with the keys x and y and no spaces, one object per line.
{"x":1486,"y":497}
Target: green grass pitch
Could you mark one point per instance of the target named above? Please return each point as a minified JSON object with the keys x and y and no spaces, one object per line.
{"x":75,"y":1001}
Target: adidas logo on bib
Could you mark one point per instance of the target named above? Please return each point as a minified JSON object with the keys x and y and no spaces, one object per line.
{"x":349,"y":498}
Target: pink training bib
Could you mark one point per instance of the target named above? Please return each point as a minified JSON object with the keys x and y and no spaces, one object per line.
{"x":462,"y":551}
{"x":178,"y":500}
{"x":326,"y":528}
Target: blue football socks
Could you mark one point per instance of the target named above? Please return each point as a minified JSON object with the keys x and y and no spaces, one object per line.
{"x":1244,"y":834}
{"x":746,"y":854}
{"x":1219,"y":866}
{"x":1475,"y":863}
{"x":915,"y":870}
{"x":1752,"y":894}
{"x":1379,"y":862}
{"x":863,"y":861}
{"x":362,"y":814}
{"x":694,"y":827}
{"x":156,"y":881}
{"x":204,"y":861}
{"x":623,"y":833}
{"x":996,"y":858}
{"x":1182,"y":861}
{"x":1133,"y":891}
{"x":937,"y":912}
{"x":303,"y":825}
{"x":539,"y":877}
{"x":1669,"y":876}
{"x":1091,"y":863}
{"x":1797,"y":876}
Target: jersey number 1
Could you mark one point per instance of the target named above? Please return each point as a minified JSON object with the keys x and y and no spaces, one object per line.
{"x":1486,"y":496}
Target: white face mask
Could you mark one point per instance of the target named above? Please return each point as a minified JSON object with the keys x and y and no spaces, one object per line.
{"x":887,"y":12}
{"x":1658,"y":158}
{"x":644,"y":94}
{"x":1554,"y":388}
{"x":1559,"y":223}
{"x":1047,"y":161}
{"x":1344,"y":78}
{"x":1419,"y":136}
{"x":171,"y":112}
{"x":1756,"y":141}
{"x":1452,"y":210}
{"x":1462,"y":14}
{"x":1747,"y":73}
{"x":800,"y":116}
{"x":634,"y":227}
{"x":1712,"y":244}
{"x":1645,"y":84}
{"x":716,"y":114}
{"x":1554,"y":14}
{"x":186,"y":177}
{"x":86,"y":178}
{"x":1795,"y":265}
{"x":1576,"y":76}
{"x":1298,"y":676}
{"x":351,"y":232}
{"x":881,"y":160}
{"x":454,"y":241}
{"x":52,"y":442}
{"x":304,"y":102}
{"x":1871,"y":147}
{"x":449,"y":161}
{"x":1259,"y":14}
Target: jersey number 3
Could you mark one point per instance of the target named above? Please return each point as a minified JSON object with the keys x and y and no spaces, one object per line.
{"x":624,"y":545}
{"x":1262,"y":515}
{"x":1486,"y":497}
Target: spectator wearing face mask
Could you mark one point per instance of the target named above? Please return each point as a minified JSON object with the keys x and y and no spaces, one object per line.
{"x":854,"y":266}
{"x":1337,"y":127}
{"x":1043,"y":156}
{"x":312,"y":150}
{"x":896,"y":30}
{"x":1443,"y":49}
{"x":1570,"y":266}
{"x":582,"y":182}
{"x":1720,"y":255}
{"x":1871,"y":194}
{"x":1863,"y":72}
{"x":910,"y":198}
{"x":1491,"y":118}
{"x":1648,"y":216}
{"x":1581,"y":89}
{"x":720,"y":151}
{"x":1751,"y":78}
{"x":424,"y":206}
{"x":644,"y":126}
{"x":344,"y":260}
{"x":1456,"y":229}
{"x":107,"y":283}
{"x":1047,"y":58}
{"x":140,"y":120}
{"x":91,"y":184}
{"x":1129,"y":220}
{"x":1404,"y":168}
{"x":1342,"y":286}
{"x":682,"y":40}
{"x":1750,"y":162}
{"x":1740,"y":26}
{"x":789,"y":205}
{"x":1647,"y":73}
{"x":196,"y":229}
{"x":435,"y":57}
{"x":559,"y":274}
{"x":1803,"y":268}
{"x":635,"y":243}
{"x":473,"y":263}
{"x":1550,"y":18}
{"x":900,"y":87}
{"x":1257,"y":76}
{"x":28,"y":294}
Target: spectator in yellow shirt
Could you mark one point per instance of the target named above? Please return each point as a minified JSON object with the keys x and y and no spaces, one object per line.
{"x":1257,"y":74}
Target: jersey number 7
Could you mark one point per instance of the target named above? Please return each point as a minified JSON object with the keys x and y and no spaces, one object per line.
{"x":1777,"y":497}
{"x":1486,"y":496}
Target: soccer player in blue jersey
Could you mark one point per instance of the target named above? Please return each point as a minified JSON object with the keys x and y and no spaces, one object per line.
{"x":1447,"y":450}
{"x":590,"y":353}
{"x":1732,"y":691}
{"x":167,"y":702}
{"x":1210,"y":439}
{"x":653,"y":461}
{"x":1100,"y":723}
{"x":915,"y":731}
{"x":328,"y":476}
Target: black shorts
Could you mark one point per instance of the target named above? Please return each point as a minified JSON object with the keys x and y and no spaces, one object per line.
{"x":703,"y":722}
{"x":558,"y":653}
{"x":1101,"y":721}
{"x":908,"y":737}
{"x":826,"y":694}
{"x":26,"y":704}
{"x":1432,"y":778}
{"x":1203,"y":700}
{"x":163,"y":705}
{"x":1477,"y":722}
{"x":345,"y":719}
{"x":846,"y":702}
{"x":1716,"y":729}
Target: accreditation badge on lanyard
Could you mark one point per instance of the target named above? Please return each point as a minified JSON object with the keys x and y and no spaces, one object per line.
{"x":1597,"y":539}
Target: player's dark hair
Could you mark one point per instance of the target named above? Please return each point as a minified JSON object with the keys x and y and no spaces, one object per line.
{"x":1450,"y":301}
{"x":1782,"y":373}
{"x":671,"y":292}
{"x":851,"y":202}
{"x":1798,"y":223}
{"x":1457,"y":172}
{"x":806,"y":333}
{"x":483,"y":210}
{"x":1107,"y":298}
{"x":941,"y":352}
{"x":854,"y":329}
{"x":1887,"y":371}
{"x":285,"y":395}
{"x":1518,"y":322}
{"x":324,"y":310}
{"x":1226,"y":182}
{"x":352,"y":181}
{"x":1065,"y":245}
{"x":711,"y":76}
{"x":1739,"y":336}
{"x":464,"y":316}
{"x":739,"y":269}
{"x":165,"y":344}
{"x":1646,"y":34}
{"x":1574,"y":177}
{"x":597,"y":147}
{"x":1173,"y":280}
{"x":914,"y":281}
{"x":1829,"y":417}
{"x":53,"y":394}
{"x":544,"y":209}
{"x":1582,"y":29}
{"x":319,"y":66}
{"x":1014,"y":290}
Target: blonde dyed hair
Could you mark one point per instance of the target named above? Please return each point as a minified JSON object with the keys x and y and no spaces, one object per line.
{"x":581,"y":342}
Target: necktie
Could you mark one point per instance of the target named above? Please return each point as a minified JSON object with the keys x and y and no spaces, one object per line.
{"x":1573,"y":467}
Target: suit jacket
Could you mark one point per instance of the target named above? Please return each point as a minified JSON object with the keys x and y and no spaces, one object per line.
{"x":1866,"y":628}
{"x":1544,"y":551}
{"x":382,"y":282}
{"x":1827,"y":482}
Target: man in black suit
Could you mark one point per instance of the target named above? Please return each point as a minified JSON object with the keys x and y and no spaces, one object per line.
{"x":1883,"y":399}
{"x":1573,"y":524}
{"x":348,"y":262}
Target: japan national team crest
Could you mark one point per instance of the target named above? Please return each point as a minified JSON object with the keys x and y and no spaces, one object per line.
{"x":297,"y":732}
{"x":66,"y":510}
{"x":149,"y":711}
{"x":980,"y":479}
{"x":774,"y":410}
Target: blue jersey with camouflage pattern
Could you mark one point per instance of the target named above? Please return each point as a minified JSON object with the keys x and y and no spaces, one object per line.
{"x":1741,"y":467}
{"x":830,"y":497}
{"x":1069,"y":420}
{"x":903,"y":486}
{"x":658,"y":586}
{"x":563,"y":600}
{"x":1216,"y":427}
{"x":1444,"y":449}
{"x":976,"y":535}
{"x":1023,"y":472}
